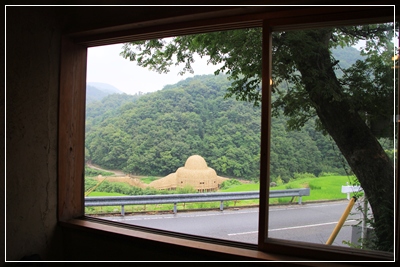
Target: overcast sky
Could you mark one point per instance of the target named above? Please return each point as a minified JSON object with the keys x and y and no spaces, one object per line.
{"x":105,"y":65}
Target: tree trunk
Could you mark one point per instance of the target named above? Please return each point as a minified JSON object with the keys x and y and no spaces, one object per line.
{"x":359,"y":146}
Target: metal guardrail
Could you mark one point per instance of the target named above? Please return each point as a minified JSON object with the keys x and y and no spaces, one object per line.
{"x":189,"y":198}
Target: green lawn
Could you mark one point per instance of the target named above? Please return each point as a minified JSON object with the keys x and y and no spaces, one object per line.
{"x":243,"y":188}
{"x":321,"y":188}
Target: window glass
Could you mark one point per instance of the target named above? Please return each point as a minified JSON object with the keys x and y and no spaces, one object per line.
{"x":333,"y":132}
{"x":162,"y":135}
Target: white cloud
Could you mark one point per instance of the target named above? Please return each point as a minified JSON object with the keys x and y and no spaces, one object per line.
{"x":105,"y":65}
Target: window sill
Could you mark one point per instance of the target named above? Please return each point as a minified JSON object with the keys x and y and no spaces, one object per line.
{"x":237,"y":252}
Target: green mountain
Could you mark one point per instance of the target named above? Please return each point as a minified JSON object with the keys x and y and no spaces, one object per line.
{"x":97,"y":91}
{"x":154,"y":134}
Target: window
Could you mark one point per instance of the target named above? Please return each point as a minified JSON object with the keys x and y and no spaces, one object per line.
{"x":186,"y":137}
{"x":72,"y":106}
{"x":302,"y":94}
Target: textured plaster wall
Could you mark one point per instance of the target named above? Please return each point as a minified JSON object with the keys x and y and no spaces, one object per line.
{"x":32,"y":71}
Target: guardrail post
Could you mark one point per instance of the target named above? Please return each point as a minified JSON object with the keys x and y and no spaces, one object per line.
{"x":221,"y":205}
{"x":175,"y":208}
{"x":122,"y":210}
{"x":299,"y":199}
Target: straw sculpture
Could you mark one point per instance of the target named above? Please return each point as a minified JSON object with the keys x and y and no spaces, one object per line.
{"x":195,"y":173}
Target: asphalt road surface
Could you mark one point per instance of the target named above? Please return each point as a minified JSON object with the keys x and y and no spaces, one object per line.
{"x":312,"y":223}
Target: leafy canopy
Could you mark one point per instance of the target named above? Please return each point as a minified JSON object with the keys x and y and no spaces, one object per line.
{"x":367,"y":85}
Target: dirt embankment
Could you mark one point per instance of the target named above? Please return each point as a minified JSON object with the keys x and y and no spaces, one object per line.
{"x":116,"y":173}
{"x":119,"y":176}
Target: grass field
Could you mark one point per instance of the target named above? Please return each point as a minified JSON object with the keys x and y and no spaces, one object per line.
{"x":321,"y":189}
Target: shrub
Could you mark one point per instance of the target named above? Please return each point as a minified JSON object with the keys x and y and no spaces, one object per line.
{"x":279,"y":181}
{"x":89,"y":183}
{"x":297,"y":175}
{"x":229,"y":183}
{"x":186,"y":190}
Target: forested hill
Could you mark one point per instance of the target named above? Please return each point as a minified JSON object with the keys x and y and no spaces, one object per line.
{"x":97,"y":91}
{"x":154,"y":134}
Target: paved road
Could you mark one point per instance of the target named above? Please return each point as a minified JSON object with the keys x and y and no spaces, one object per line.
{"x":308,"y":222}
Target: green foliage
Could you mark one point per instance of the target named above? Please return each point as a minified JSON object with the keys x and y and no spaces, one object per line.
{"x":392,"y":154}
{"x":149,"y":179}
{"x":302,"y":151}
{"x":278,"y":180}
{"x":119,"y":187}
{"x":90,"y":172}
{"x":89,"y":183}
{"x":289,"y":186}
{"x":186,"y":190}
{"x":126,"y":189}
{"x":229,"y":183}
{"x":297,"y":175}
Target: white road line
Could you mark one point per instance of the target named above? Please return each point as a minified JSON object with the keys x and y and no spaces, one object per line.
{"x":244,"y":233}
{"x":289,"y":228}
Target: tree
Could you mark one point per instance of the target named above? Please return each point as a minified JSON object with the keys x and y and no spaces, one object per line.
{"x":306,"y":78}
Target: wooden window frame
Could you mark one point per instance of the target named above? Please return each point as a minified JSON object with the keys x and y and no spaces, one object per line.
{"x":72,"y":126}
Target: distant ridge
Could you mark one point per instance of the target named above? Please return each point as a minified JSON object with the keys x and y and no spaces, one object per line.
{"x":105,"y":87}
{"x":96,"y":91}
